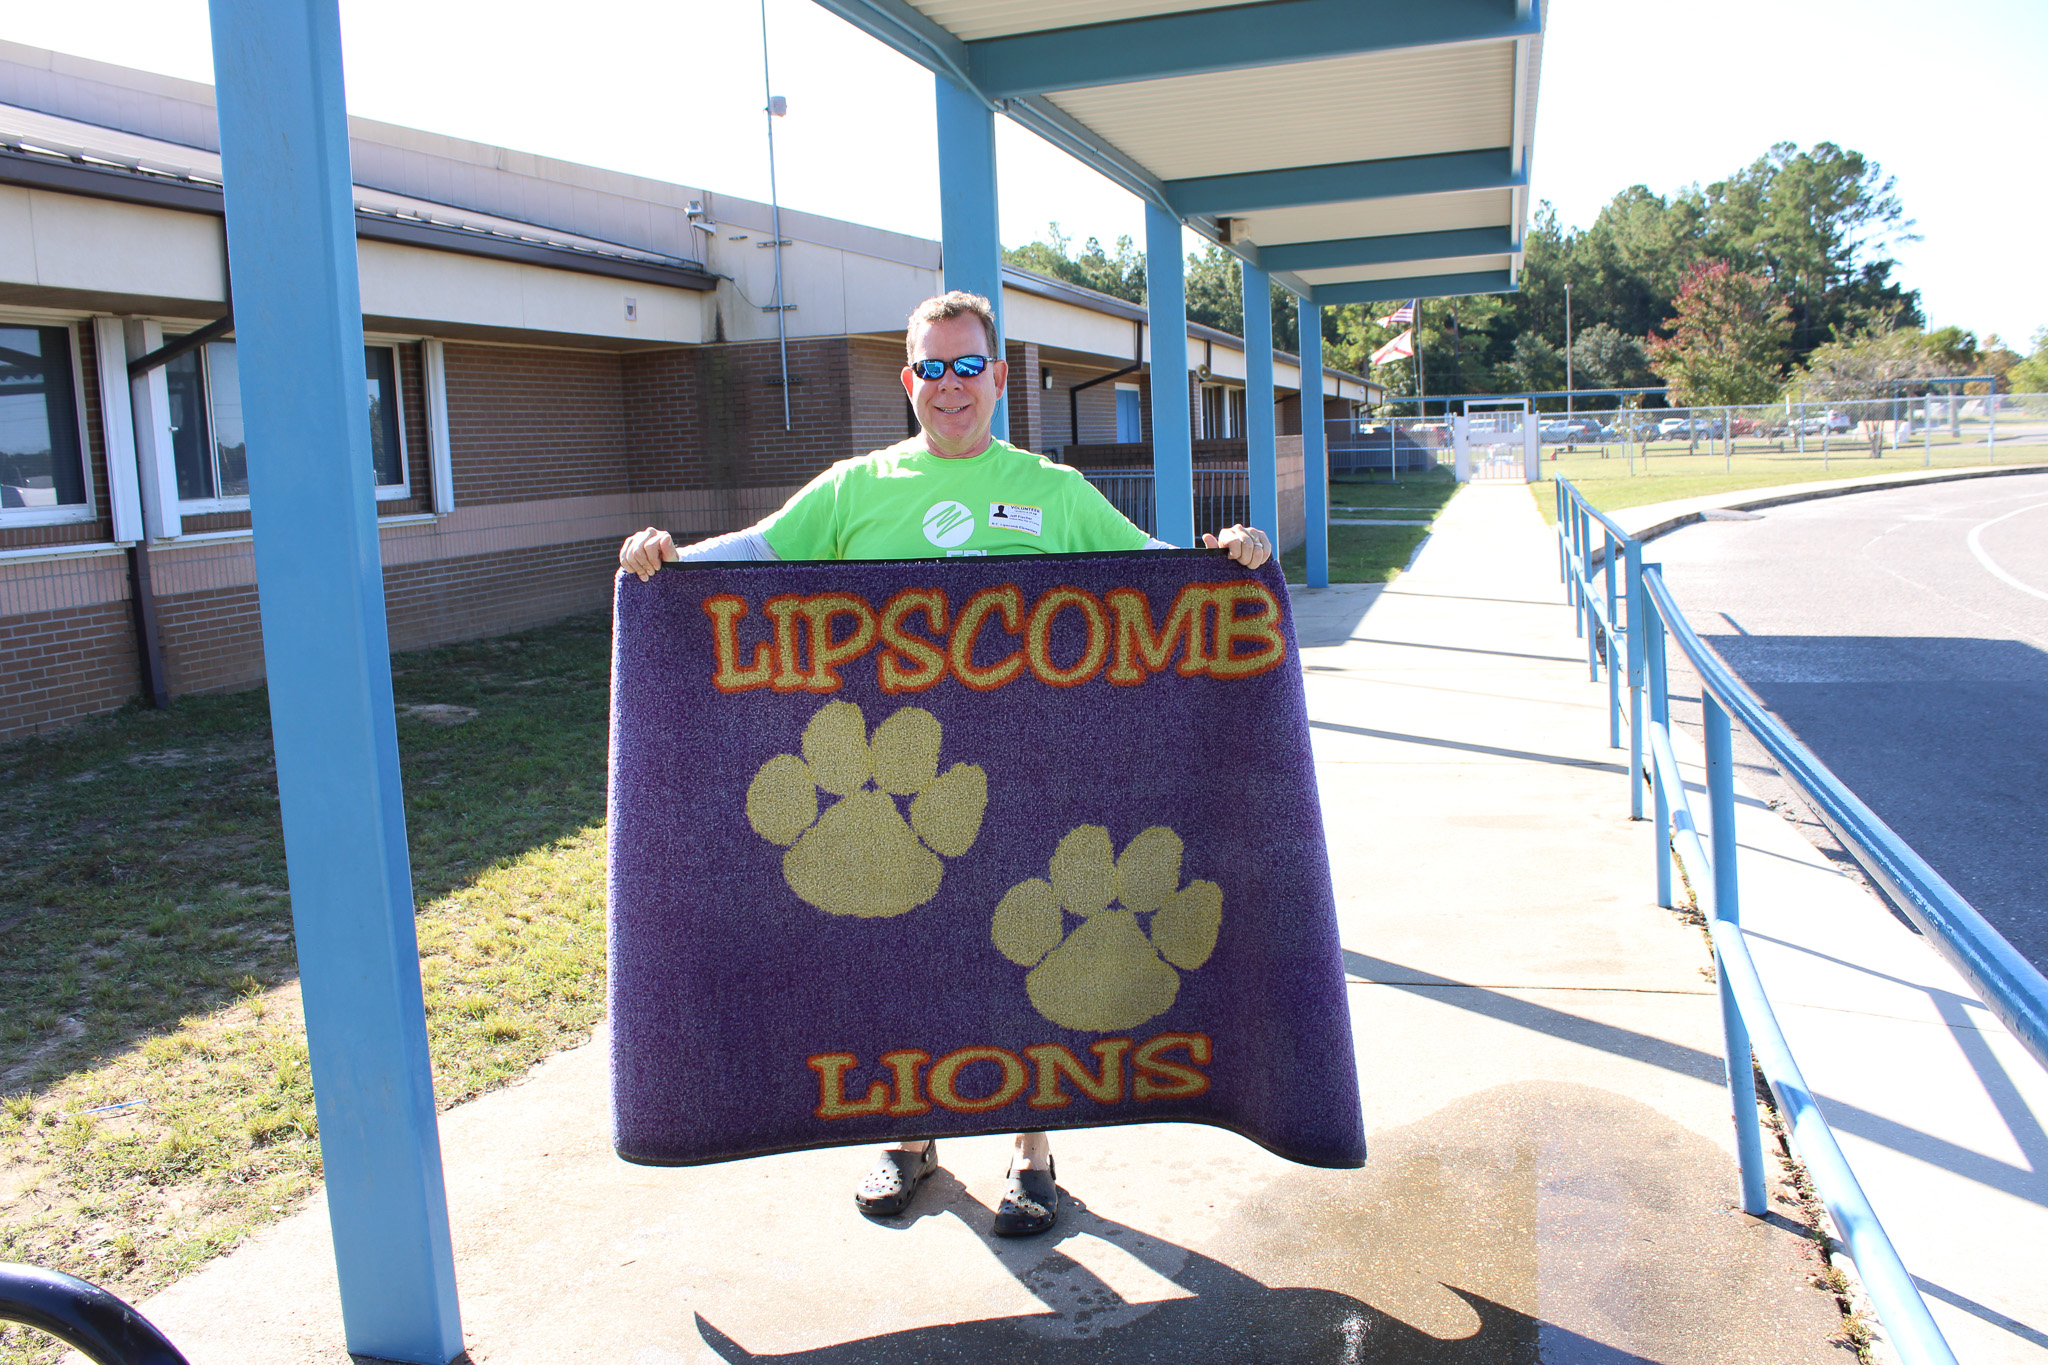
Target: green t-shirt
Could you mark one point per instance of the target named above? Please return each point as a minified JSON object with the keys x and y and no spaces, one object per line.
{"x":907,"y":503}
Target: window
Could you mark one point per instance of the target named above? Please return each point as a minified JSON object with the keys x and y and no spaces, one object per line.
{"x":1212,"y":412}
{"x":207,"y":442}
{"x":42,"y":464}
{"x":1130,"y":414}
{"x":387,"y":439}
{"x":207,"y":445}
{"x":1235,"y":415}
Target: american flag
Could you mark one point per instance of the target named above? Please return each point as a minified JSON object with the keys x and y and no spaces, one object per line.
{"x":1404,"y":314}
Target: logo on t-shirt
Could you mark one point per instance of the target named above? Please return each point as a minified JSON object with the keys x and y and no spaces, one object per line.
{"x":948,"y":524}
{"x":1010,"y":516}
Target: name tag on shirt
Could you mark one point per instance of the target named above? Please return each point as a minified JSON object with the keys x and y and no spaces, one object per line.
{"x":1010,"y":516}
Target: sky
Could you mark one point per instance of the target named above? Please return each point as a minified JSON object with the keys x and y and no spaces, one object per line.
{"x":1632,"y":93}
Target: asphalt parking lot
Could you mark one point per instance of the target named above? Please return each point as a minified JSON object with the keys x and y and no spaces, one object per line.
{"x":1903,"y":635}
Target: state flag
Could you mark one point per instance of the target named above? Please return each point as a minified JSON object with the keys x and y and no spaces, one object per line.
{"x":1400,"y":348}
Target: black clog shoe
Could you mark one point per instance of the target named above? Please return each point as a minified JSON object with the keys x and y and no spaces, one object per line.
{"x":1031,"y":1204}
{"x":892,"y":1182}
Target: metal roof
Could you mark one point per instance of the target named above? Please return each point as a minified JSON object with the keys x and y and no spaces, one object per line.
{"x":1362,"y":150}
{"x":46,"y":151}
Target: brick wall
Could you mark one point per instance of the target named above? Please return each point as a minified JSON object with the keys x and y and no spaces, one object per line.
{"x":1028,"y":410}
{"x":1289,"y":467}
{"x":462,"y":599}
{"x":60,"y":665}
{"x":212,"y":641}
{"x":528,"y":423}
{"x":880,"y":414}
{"x":712,"y":417}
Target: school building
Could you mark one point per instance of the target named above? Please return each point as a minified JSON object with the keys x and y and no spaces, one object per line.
{"x":556,"y":356}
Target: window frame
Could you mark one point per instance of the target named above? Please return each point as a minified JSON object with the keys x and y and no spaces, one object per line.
{"x":394,"y":492}
{"x":71,"y":514}
{"x":199,"y":507}
{"x":391,"y":492}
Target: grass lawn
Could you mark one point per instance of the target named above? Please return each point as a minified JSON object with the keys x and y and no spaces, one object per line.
{"x":155,"y":1104}
{"x":1669,"y":473}
{"x":1375,"y":554}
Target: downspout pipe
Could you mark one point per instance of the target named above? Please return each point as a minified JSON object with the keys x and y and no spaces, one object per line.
{"x":1073,"y":394}
{"x":191,"y":341}
{"x":156,"y":679}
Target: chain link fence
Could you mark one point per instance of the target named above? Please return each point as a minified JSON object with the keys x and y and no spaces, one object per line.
{"x":1927,"y":432}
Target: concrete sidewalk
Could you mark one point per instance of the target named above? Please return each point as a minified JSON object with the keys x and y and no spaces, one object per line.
{"x":1551,"y":1177}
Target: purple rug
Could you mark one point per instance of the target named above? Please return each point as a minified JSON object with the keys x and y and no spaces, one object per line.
{"x":921,"y":848}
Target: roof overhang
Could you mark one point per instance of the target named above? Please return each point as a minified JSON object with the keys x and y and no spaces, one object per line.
{"x":375,"y":223}
{"x":1345,"y":145}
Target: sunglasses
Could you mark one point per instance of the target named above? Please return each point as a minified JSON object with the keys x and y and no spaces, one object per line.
{"x":966,"y":366}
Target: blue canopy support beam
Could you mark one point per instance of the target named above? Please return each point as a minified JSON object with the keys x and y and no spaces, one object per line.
{"x":1173,"y":441}
{"x":320,"y":586}
{"x":1315,"y":450}
{"x":969,"y":230}
{"x":1233,"y":38}
{"x":1417,"y":287}
{"x":1261,"y":463}
{"x":1401,"y":248}
{"x":1345,"y":182}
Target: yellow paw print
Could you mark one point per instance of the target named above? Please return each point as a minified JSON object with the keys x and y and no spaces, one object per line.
{"x":1110,"y":973}
{"x":860,"y":857}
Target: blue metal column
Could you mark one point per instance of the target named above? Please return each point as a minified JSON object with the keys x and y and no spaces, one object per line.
{"x":969,"y":235}
{"x":1261,"y":465}
{"x":298,"y":322}
{"x":1173,"y":440}
{"x":1727,"y":907}
{"x":1315,"y":458}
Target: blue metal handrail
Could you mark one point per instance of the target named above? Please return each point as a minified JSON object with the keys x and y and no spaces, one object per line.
{"x":1594,"y":614}
{"x":2010,"y":986}
{"x":2016,"y":992}
{"x":82,"y":1316}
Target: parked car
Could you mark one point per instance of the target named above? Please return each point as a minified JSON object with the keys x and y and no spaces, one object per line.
{"x":1830,"y":421}
{"x":1564,"y":431}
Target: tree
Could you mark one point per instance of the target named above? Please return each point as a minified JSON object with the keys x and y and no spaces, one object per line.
{"x":2031,"y":374}
{"x":1862,"y":377}
{"x":1537,"y":366}
{"x":1121,"y":276}
{"x":1815,"y":224}
{"x":1603,"y":357}
{"x":1215,"y":290}
{"x":1998,"y":360}
{"x":1729,"y":339}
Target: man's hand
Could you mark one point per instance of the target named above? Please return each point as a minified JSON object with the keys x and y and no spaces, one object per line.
{"x":643,"y":553}
{"x":1247,"y":545}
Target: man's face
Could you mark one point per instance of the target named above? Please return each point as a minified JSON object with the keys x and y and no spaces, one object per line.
{"x":955,"y":412}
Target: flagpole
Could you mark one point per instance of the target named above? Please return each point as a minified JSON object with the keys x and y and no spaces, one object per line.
{"x":1421,"y":385}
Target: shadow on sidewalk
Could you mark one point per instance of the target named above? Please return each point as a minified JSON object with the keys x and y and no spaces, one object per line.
{"x":1228,"y":1316}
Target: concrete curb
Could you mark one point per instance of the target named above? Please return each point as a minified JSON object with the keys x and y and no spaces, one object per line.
{"x":1662,"y":518}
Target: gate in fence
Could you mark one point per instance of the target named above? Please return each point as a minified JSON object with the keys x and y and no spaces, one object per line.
{"x":1497,"y":440}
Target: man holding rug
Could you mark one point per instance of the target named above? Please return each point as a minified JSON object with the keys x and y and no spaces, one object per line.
{"x":924,"y":498}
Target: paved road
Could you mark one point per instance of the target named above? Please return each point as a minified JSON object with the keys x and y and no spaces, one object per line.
{"x":1903,"y":635}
